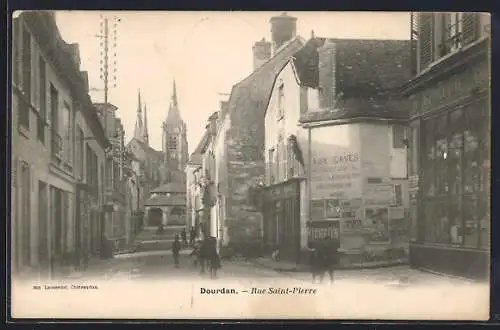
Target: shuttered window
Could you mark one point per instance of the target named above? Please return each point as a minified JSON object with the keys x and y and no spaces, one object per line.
{"x":470,"y":27}
{"x":426,"y":23}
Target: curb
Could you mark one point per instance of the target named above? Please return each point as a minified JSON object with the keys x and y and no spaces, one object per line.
{"x":305,"y":269}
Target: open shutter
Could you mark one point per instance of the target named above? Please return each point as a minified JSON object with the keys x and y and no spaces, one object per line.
{"x":470,"y":27}
{"x":425,"y":37}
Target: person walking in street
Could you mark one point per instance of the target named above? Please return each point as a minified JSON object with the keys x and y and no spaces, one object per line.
{"x":195,"y":254}
{"x":176,"y":249}
{"x":192,"y":236}
{"x":212,"y":257}
{"x":324,"y":258}
{"x":184,"y":237}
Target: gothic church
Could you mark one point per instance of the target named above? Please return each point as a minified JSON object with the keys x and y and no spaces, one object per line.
{"x":165,"y":166}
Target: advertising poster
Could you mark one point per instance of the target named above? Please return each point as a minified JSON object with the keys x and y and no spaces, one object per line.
{"x":336,"y":163}
{"x":318,"y":230}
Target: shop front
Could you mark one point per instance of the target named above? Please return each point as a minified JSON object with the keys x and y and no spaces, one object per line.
{"x":281,"y":212}
{"x":450,"y":166}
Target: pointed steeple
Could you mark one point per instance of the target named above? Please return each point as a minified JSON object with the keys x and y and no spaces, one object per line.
{"x":145,"y":128}
{"x":174,"y":116}
{"x":138,"y":132}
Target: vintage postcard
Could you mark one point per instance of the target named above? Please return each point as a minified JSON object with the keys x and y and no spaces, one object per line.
{"x":331,"y":165}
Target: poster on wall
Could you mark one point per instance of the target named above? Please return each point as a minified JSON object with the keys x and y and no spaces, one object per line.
{"x":318,"y":230}
{"x":336,"y":163}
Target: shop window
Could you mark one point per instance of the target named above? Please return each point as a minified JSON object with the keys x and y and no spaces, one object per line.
{"x":441,"y":156}
{"x":455,"y":153}
{"x":471,"y":221}
{"x":429,"y":177}
{"x":455,"y":216}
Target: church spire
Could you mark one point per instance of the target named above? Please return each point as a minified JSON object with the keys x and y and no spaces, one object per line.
{"x":145,"y":128}
{"x":138,"y":132}
{"x":174,"y":116}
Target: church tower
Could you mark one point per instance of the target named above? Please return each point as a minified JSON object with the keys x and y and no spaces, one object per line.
{"x":145,"y":134}
{"x":139,"y":130}
{"x":175,"y":145}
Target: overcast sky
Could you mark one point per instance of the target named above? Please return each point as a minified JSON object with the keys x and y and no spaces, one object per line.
{"x":205,"y":52}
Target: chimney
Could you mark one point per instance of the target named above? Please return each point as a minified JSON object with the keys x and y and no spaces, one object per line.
{"x":261,"y":53}
{"x":283,"y":29}
{"x":223,"y":106}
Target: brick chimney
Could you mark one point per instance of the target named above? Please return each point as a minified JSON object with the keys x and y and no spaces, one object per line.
{"x":283,"y":29}
{"x":261,"y":53}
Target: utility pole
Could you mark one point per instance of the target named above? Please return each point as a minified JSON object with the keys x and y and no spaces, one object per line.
{"x":108,"y":45}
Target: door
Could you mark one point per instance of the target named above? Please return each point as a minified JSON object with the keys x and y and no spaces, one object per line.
{"x":289,"y":226}
{"x":43,"y":233}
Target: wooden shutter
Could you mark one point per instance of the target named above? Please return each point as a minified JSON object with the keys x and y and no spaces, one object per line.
{"x":470,"y":27}
{"x":426,"y":34}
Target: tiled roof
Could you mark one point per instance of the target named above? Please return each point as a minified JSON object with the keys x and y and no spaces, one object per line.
{"x":368,"y":75}
{"x":252,"y":93}
{"x":166,"y":200}
{"x":173,"y":187}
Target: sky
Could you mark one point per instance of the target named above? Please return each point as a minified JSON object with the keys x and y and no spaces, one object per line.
{"x":205,"y":52}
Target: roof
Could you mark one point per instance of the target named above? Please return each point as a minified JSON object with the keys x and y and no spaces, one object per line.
{"x":170,"y":187}
{"x":368,"y":76}
{"x":166,"y":200}
{"x":148,"y":149}
{"x":252,"y":93}
{"x":195,"y":159}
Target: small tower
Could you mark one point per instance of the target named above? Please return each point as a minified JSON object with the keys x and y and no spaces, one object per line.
{"x":138,"y":131}
{"x":145,"y":134}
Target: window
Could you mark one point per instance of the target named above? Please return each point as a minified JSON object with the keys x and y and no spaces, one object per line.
{"x":270,"y":166}
{"x":80,"y":156}
{"x":15,"y":50}
{"x":172,"y":142}
{"x":398,"y":195}
{"x":413,"y":154}
{"x":281,"y":101}
{"x":452,"y":32}
{"x":26,"y":213}
{"x":398,"y":136}
{"x":26,"y":65}
{"x":42,"y":115}
{"x":456,"y":169}
{"x":54,"y":118}
{"x":65,"y":132}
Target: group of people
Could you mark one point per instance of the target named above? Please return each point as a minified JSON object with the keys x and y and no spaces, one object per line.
{"x":204,"y":252}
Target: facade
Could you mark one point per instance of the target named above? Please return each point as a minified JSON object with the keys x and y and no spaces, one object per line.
{"x":449,"y":140}
{"x":57,"y":147}
{"x":335,"y":152}
{"x":166,"y":206}
{"x":240,"y":137}
{"x":115,"y":200}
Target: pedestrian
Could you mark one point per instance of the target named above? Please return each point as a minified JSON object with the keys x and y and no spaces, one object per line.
{"x":176,"y":248}
{"x":325,"y":258}
{"x":213,"y":257}
{"x":184,"y":236}
{"x":196,"y":253}
{"x":192,"y":236}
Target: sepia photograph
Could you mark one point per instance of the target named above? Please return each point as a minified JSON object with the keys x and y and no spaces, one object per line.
{"x":250,"y":165}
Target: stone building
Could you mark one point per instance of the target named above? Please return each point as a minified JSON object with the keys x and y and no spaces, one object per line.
{"x":243,"y":134}
{"x":166,"y":206}
{"x":450,"y":157}
{"x":58,"y":152}
{"x":334,"y":148}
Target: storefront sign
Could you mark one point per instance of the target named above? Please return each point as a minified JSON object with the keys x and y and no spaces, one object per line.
{"x":318,"y":230}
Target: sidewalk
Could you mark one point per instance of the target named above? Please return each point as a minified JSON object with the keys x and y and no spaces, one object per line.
{"x":286,"y":266}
